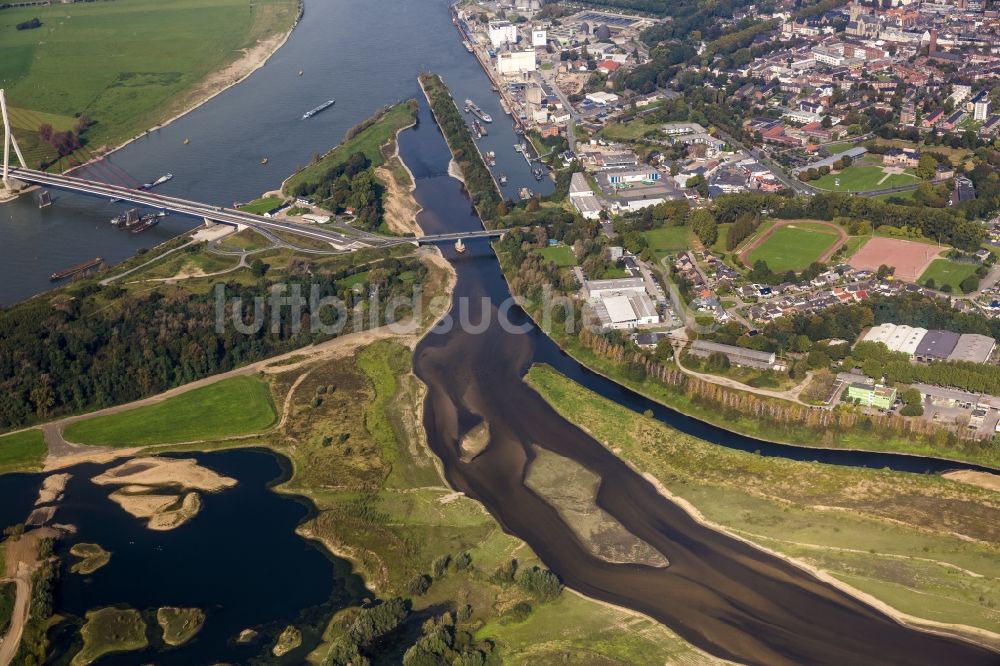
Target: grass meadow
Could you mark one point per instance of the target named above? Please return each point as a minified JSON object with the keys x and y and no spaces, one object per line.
{"x":128,"y":65}
{"x":235,"y":406}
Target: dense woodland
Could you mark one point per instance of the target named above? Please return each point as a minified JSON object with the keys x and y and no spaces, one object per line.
{"x":88,"y":347}
{"x":350,"y":184}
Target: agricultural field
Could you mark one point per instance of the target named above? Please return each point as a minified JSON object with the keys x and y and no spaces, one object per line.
{"x":857,"y":178}
{"x":127,"y":65}
{"x":793,"y":247}
{"x":561,"y":254}
{"x":22,"y":451}
{"x":668,"y":240}
{"x":946,"y":271}
{"x":231,"y":407}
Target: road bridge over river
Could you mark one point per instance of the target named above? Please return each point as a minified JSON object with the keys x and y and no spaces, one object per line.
{"x":231,"y":216}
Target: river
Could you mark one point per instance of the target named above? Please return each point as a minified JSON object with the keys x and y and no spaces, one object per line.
{"x":719,"y":593}
{"x":364,"y":55}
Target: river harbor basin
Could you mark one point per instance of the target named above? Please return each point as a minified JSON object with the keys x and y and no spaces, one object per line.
{"x":377,"y":496}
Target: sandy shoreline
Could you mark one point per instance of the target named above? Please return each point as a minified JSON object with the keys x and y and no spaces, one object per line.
{"x":981,"y":479}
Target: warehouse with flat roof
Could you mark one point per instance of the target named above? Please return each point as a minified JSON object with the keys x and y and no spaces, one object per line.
{"x":973,"y":348}
{"x":937,"y":345}
{"x":900,"y":338}
{"x":750,"y":358}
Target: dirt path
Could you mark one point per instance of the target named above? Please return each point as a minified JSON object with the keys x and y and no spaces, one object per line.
{"x":63,"y":453}
{"x":10,"y":642}
{"x":791,"y":394}
{"x":744,"y":254}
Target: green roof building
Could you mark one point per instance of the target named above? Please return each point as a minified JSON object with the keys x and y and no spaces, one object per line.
{"x":870,"y":395}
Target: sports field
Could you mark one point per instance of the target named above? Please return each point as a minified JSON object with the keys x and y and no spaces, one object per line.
{"x":909,"y":258}
{"x":792,"y":247}
{"x":863,"y":179}
{"x":127,"y":64}
{"x":945,"y":271}
{"x":235,"y":406}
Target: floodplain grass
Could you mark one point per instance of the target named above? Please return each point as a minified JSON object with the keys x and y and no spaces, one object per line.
{"x":668,"y":240}
{"x":109,"y":630}
{"x":368,"y":141}
{"x":22,"y":451}
{"x":393,"y":516}
{"x":179,"y":625}
{"x":128,"y":65}
{"x":231,"y":407}
{"x":562,"y":255}
{"x":794,"y":246}
{"x":946,"y":271}
{"x":923,"y":538}
{"x":246,"y":240}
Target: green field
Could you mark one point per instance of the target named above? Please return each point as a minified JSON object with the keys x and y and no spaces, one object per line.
{"x":793,"y":247}
{"x":22,"y":451}
{"x":235,"y":406}
{"x":368,"y":141}
{"x":262,"y":205}
{"x":668,"y":240}
{"x":862,"y":179}
{"x":630,"y":131}
{"x":946,"y":271}
{"x":561,"y":254}
{"x":838,"y":148}
{"x":128,"y":64}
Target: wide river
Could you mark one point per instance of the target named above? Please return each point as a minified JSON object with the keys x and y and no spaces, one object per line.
{"x":719,"y":593}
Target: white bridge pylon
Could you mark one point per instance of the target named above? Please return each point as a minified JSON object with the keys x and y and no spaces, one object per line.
{"x":8,"y":142}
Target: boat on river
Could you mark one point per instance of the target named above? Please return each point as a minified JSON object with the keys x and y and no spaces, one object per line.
{"x":319,"y":109}
{"x":503,"y":178}
{"x":477,"y":112}
{"x":82,"y":267}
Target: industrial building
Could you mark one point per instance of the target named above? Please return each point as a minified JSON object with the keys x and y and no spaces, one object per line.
{"x":902,"y":338}
{"x":937,"y":345}
{"x":933,"y":345}
{"x":872,"y":395}
{"x":516,"y":62}
{"x":597,"y":289}
{"x":750,"y":358}
{"x":502,"y":32}
{"x":582,"y":197}
{"x":973,"y":348}
{"x":627,"y":310}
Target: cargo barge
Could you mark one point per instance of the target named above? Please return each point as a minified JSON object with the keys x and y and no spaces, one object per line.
{"x":322,"y":107}
{"x":77,"y":269}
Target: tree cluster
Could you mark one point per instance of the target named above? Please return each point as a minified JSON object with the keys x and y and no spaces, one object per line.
{"x":478,"y":180}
